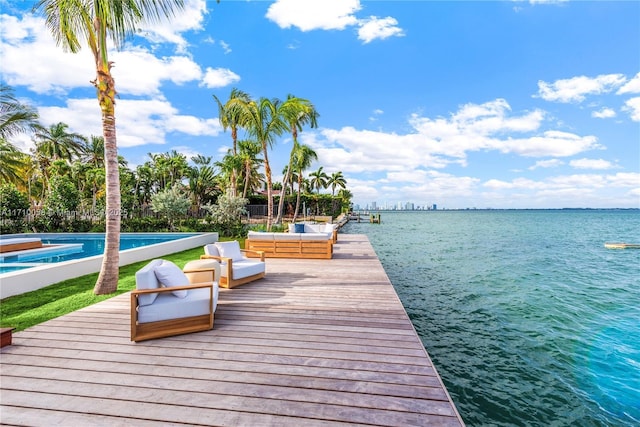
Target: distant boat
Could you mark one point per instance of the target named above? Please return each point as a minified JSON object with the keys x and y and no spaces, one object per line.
{"x":622,"y":246}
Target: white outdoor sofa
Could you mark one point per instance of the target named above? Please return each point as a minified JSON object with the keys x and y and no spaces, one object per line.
{"x":291,"y":245}
{"x":331,"y":230}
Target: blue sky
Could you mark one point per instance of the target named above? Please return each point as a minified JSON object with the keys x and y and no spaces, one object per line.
{"x":503,"y":104}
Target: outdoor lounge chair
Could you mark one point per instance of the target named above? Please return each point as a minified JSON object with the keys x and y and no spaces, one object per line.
{"x":166,"y":303}
{"x":237,"y":269}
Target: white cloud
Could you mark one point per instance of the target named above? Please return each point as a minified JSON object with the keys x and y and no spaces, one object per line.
{"x":440,"y":142}
{"x":552,"y":163}
{"x":169,"y":29}
{"x":136,"y":70}
{"x":575,"y":89}
{"x":138,"y":122}
{"x":632,"y":86}
{"x":219,"y":77}
{"x":314,"y":14}
{"x":605,"y":113}
{"x":632,"y":106}
{"x":378,"y":28}
{"x":311,"y":15}
{"x":598,"y":164}
{"x":225,"y":47}
{"x":52,"y":69}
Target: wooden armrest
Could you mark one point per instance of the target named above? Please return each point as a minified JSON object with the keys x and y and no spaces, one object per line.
{"x":258,"y":253}
{"x":219,"y":258}
{"x":176,"y":288}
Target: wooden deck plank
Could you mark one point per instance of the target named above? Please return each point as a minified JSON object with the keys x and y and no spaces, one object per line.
{"x":316,"y":342}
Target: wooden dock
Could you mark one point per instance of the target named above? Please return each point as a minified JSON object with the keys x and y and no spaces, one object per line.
{"x":316,"y":342}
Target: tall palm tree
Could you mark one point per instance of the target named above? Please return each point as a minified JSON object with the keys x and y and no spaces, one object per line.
{"x":94,"y":22}
{"x":336,"y":180}
{"x":231,"y":115}
{"x":296,"y":112}
{"x":303,"y":158}
{"x":56,"y":142}
{"x":319,"y":179}
{"x":264,"y":122}
{"x":248,"y":154}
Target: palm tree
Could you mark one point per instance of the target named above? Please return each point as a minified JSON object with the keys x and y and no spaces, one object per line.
{"x":15,"y":117}
{"x":319,"y":179}
{"x":12,"y":163}
{"x":297,"y":112}
{"x":231,"y":116}
{"x":56,"y":142}
{"x":96,"y":21}
{"x":264,"y":122}
{"x":303,"y":158}
{"x":336,"y":180}
{"x":248,"y":154}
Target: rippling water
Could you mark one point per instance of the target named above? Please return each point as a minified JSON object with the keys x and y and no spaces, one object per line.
{"x":528,"y":318}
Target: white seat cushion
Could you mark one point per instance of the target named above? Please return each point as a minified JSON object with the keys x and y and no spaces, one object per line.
{"x":166,"y":306}
{"x":245,"y":268}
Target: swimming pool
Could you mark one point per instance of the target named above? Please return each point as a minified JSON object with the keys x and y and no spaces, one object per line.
{"x":59,"y":247}
{"x":68,"y":255}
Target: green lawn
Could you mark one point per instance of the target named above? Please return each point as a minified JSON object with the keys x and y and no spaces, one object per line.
{"x":29,"y":309}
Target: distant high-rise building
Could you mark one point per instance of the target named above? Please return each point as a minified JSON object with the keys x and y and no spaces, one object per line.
{"x":435,"y":207}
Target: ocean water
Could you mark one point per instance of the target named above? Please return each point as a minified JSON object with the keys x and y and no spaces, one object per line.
{"x":529,"y":320}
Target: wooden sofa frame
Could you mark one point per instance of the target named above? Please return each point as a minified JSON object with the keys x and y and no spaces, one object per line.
{"x":306,"y":249}
{"x":166,"y":328}
{"x":229,"y":281}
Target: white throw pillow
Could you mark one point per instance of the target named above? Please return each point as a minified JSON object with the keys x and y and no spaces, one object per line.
{"x":211,"y":249}
{"x":230,"y":250}
{"x":170,"y":275}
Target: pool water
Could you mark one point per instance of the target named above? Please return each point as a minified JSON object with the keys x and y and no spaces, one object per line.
{"x":72,"y":246}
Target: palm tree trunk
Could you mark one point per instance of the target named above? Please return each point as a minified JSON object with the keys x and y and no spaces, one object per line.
{"x":295,"y":212}
{"x":108,"y":279}
{"x":267,"y":172}
{"x":284,"y":192}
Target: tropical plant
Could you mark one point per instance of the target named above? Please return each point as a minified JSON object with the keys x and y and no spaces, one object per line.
{"x":227,"y":214}
{"x":264,"y":122}
{"x":96,"y":21}
{"x":12,"y":163}
{"x":303,"y":158}
{"x":15,"y":117}
{"x":336,"y":180}
{"x":171,"y":203}
{"x":319,"y":179}
{"x":232,"y":115}
{"x":248,"y":153}
{"x":296,"y":112}
{"x":57,"y":142}
{"x":14,"y":205}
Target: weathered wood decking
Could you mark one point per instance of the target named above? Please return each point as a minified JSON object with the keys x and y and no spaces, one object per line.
{"x":316,"y":342}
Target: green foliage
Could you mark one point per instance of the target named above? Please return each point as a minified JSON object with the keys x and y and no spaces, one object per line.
{"x":227,"y":215}
{"x":61,"y":204}
{"x":14,"y":205}
{"x":171,"y":203}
